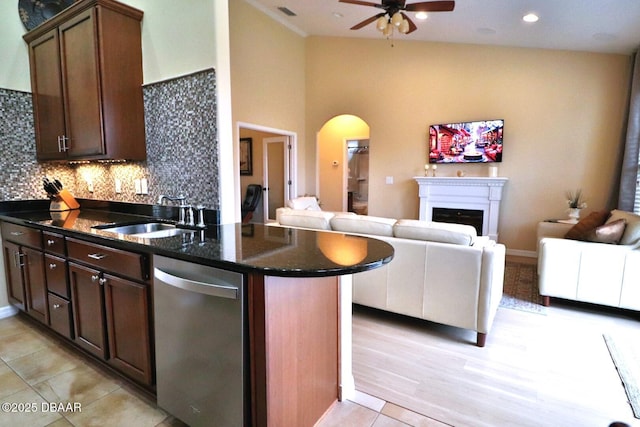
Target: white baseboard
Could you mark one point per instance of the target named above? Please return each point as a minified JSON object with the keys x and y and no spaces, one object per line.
{"x":8,"y":311}
{"x":522,"y":253}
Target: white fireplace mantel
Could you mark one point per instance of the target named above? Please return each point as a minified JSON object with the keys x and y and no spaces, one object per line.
{"x":474,"y":193}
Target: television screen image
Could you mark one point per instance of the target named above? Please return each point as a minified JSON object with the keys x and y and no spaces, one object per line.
{"x":466,"y":142}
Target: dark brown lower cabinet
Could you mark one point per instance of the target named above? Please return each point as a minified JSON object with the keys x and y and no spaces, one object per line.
{"x":60,"y":315}
{"x":87,"y":299}
{"x":13,"y":272}
{"x":111,"y":319}
{"x":35,"y":285}
{"x":127,"y":305}
{"x":26,"y":285}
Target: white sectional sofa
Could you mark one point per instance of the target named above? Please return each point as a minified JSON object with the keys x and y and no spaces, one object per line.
{"x":589,"y":271}
{"x":440,"y":272}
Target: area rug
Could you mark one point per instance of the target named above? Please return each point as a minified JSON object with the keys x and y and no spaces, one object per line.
{"x":625,"y":352}
{"x":521,"y":288}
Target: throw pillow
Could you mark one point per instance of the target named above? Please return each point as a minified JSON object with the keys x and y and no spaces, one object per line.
{"x":586,"y":225}
{"x":610,"y":232}
{"x":631,"y":234}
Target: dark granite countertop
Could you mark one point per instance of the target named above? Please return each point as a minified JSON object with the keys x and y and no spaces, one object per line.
{"x":251,"y":248}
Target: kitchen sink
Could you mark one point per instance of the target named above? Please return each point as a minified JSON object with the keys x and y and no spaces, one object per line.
{"x":147,"y":230}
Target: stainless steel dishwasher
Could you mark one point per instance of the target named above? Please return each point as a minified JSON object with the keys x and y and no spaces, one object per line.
{"x":200,"y":334}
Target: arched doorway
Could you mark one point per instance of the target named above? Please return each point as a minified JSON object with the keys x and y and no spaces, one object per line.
{"x":343,"y":163}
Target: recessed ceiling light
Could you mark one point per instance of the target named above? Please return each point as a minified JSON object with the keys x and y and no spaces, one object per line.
{"x":530,"y":17}
{"x":421,"y":15}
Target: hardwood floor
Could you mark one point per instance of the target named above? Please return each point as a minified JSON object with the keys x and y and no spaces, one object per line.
{"x":536,"y":370}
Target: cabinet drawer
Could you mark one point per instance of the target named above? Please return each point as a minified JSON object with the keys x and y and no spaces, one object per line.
{"x":53,"y":243}
{"x":116,"y":261}
{"x":22,"y":235}
{"x":60,"y":315}
{"x":56,"y":272}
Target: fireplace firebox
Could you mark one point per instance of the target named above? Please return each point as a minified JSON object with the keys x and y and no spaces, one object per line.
{"x":471,"y":217}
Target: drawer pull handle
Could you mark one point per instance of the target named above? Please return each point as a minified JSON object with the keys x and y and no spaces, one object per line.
{"x":56,"y":306}
{"x":17,"y":233}
{"x":94,"y":278}
{"x":51,"y":242}
{"x":97,"y":256}
{"x":52,"y":266}
{"x":102,"y":281}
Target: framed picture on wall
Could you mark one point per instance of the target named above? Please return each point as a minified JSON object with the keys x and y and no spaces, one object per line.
{"x":246,"y":156}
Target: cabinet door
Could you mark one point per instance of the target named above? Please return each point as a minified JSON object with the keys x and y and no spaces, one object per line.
{"x":35,"y":285}
{"x":13,"y":271}
{"x":56,"y":272}
{"x":46,"y":86}
{"x":81,"y":85}
{"x":87,"y":299}
{"x":128,"y":326}
{"x":60,"y":316}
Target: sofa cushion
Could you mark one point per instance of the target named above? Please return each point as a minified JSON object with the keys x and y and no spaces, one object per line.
{"x":458,"y":234}
{"x":610,"y":232}
{"x":306,"y":219}
{"x":309,"y":203}
{"x":363,"y":224}
{"x":586,"y":225}
{"x":631,"y":234}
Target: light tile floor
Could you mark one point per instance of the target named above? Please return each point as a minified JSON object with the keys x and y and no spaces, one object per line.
{"x":35,"y":369}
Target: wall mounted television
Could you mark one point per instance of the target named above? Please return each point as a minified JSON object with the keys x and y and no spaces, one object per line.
{"x":466,"y":142}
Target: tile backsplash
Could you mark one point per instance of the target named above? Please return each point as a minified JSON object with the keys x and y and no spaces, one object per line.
{"x":182,"y":149}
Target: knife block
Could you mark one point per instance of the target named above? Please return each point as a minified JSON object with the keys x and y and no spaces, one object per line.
{"x":63,"y":201}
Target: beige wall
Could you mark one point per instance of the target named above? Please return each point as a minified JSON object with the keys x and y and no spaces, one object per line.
{"x":563,"y":115}
{"x":267,"y":75}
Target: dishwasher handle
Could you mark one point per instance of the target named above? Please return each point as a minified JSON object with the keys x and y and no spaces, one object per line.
{"x":217,"y":290}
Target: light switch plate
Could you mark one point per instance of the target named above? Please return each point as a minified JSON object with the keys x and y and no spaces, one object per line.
{"x":388,"y":180}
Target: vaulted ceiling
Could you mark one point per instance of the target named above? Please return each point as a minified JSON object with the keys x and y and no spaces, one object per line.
{"x":586,"y":25}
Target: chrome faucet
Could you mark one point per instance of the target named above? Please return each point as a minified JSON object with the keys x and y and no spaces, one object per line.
{"x":163,"y":198}
{"x":181,"y":201}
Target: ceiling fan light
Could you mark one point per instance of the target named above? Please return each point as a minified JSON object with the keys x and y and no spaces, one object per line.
{"x":381,"y":23}
{"x":397,"y":19}
{"x":404,"y":27}
{"x":388,"y":31}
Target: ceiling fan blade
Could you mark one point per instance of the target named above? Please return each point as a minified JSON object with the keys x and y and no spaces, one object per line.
{"x":412,"y":26}
{"x":367,"y":21}
{"x":361,"y":3}
{"x":431,"y":6}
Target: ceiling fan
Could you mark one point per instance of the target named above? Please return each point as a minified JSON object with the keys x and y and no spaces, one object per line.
{"x":394,"y":16}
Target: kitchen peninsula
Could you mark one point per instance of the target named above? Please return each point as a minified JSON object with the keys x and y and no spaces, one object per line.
{"x":291,"y":345}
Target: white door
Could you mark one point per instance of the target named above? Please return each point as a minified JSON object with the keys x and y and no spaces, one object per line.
{"x":277,"y":174}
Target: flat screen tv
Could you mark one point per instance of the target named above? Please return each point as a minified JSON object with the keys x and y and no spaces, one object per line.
{"x":466,"y":142}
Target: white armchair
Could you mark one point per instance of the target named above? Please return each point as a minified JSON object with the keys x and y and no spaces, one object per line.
{"x":599,"y":273}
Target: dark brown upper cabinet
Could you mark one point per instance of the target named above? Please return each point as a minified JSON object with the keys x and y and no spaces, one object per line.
{"x":86,"y":80}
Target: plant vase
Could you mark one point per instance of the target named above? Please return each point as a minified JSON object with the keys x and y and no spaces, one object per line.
{"x":574,"y":214}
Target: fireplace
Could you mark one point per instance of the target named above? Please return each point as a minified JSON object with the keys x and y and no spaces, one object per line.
{"x":472,"y":217}
{"x":450,"y":195}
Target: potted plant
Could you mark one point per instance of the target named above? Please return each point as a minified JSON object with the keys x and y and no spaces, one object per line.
{"x":576,"y":202}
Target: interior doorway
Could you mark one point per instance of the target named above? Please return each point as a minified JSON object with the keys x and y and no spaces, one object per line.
{"x":273,"y":166}
{"x":333,"y":169}
{"x":357,"y":173}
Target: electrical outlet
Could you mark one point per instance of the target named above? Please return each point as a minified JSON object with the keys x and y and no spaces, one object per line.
{"x":137,"y":186}
{"x":90,"y":185}
{"x":144,"y":186}
{"x":388,"y":180}
{"x":118,"y":185}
